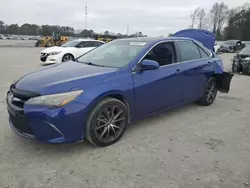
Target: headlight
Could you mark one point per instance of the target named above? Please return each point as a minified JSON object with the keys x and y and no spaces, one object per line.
{"x":54,"y":53}
{"x":55,"y":100}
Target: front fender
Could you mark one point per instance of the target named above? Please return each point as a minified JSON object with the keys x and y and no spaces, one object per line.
{"x":120,"y":84}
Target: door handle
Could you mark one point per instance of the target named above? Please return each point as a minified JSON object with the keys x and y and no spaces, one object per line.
{"x":210,"y":62}
{"x":178,"y":70}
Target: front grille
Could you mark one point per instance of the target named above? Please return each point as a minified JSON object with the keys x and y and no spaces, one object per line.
{"x":20,"y":123}
{"x":44,"y":57}
{"x":15,"y":103}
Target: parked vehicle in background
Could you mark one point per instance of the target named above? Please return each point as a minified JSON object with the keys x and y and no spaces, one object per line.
{"x":2,"y":37}
{"x":231,"y":46}
{"x":100,"y":93}
{"x":68,"y":51}
{"x":217,"y":48}
{"x":241,"y":61}
{"x":246,"y":43}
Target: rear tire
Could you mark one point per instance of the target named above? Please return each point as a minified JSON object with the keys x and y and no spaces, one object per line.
{"x":210,"y":93}
{"x":107,"y":122}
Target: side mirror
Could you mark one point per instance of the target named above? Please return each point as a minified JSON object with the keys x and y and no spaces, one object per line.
{"x":149,"y":65}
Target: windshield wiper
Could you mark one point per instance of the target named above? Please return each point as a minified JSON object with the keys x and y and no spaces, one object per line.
{"x":93,"y":64}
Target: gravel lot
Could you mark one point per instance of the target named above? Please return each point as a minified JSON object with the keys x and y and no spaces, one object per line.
{"x":190,"y":147}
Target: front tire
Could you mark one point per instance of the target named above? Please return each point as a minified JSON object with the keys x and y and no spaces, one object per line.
{"x":246,"y":71}
{"x":235,"y":68}
{"x":210,"y":93}
{"x":67,"y":57}
{"x":107,"y":122}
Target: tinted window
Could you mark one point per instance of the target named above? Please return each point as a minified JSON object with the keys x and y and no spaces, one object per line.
{"x":96,"y":43}
{"x":188,"y":50}
{"x":89,"y":44}
{"x":86,"y":44}
{"x":163,"y":53}
{"x":72,"y":43}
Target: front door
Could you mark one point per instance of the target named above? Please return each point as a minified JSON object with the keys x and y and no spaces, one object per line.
{"x":160,"y":88}
{"x":83,"y":48}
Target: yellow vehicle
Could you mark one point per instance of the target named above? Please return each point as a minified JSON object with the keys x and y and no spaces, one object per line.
{"x":55,"y":40}
{"x":104,"y":39}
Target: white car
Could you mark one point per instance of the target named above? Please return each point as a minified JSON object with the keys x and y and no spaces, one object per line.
{"x":217,"y":48}
{"x":2,"y":37}
{"x":68,"y":51}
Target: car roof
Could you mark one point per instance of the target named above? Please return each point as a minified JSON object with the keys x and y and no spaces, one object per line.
{"x":82,"y":40}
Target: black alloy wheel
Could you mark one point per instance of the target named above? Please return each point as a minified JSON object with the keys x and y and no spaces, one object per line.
{"x":67,"y":57}
{"x":210,"y":93}
{"x":107,"y":122}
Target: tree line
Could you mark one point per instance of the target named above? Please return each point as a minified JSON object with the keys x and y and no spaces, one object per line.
{"x":226,"y":23}
{"x":47,"y":30}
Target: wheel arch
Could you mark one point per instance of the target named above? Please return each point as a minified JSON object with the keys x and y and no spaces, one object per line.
{"x":112,"y":94}
{"x":68,"y":53}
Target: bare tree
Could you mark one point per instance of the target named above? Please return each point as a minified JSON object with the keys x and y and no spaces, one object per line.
{"x":201,"y":17}
{"x":223,"y":15}
{"x":193,"y":17}
{"x":1,"y":26}
{"x":214,"y":16}
{"x":219,"y":14}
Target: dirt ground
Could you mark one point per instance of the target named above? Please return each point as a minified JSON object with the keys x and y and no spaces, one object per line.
{"x":189,"y":147}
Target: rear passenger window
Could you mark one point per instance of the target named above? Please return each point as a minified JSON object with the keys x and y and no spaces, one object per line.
{"x":203,"y":54}
{"x":188,"y":50}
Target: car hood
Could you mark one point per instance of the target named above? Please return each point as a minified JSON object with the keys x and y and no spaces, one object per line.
{"x":242,"y":56}
{"x":57,"y":49}
{"x":63,"y":77}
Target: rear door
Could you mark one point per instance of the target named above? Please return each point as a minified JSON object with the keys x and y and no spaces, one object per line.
{"x":196,"y":67}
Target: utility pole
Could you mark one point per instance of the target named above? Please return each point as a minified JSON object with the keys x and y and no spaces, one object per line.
{"x":86,"y":15}
{"x":127,"y":31}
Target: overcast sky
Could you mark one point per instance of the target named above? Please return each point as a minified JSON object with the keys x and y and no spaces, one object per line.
{"x":152,"y":17}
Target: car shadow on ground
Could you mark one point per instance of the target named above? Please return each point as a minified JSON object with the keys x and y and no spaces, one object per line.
{"x":153,"y":120}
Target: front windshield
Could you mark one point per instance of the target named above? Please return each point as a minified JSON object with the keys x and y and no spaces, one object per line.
{"x":72,"y":43}
{"x":245,"y":51}
{"x":117,"y":53}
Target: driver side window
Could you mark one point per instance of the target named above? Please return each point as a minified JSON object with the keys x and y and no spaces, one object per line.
{"x":163,"y":53}
{"x":85,"y":44}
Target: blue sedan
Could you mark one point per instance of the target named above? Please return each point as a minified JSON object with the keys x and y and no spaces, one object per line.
{"x":98,"y":94}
